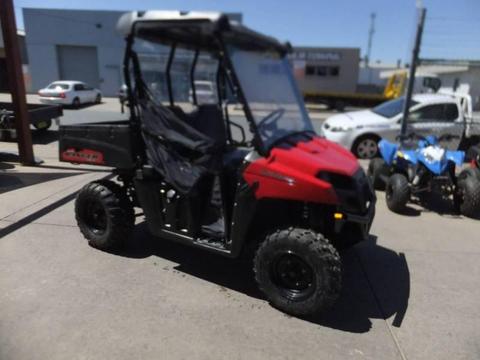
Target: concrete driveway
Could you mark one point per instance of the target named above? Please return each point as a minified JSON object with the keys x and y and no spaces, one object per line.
{"x":410,"y":292}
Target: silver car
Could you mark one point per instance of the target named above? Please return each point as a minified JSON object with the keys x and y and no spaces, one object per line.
{"x":430,"y":114}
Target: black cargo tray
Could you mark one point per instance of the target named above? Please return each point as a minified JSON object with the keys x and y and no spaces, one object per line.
{"x":105,"y":144}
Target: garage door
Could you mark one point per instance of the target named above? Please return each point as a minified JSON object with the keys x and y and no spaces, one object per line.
{"x":78,"y":63}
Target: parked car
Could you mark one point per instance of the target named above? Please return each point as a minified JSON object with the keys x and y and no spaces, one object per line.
{"x":430,"y":114}
{"x":204,"y":91}
{"x":73,"y":93}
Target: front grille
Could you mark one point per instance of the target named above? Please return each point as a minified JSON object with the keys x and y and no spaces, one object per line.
{"x":355,"y":193}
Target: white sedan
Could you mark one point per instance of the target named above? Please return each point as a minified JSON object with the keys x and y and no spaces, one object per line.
{"x":430,"y":114}
{"x":74,"y":93}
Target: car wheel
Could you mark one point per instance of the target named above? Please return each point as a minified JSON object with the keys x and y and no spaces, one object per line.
{"x":397,"y":192}
{"x":299,"y":271}
{"x":98,"y":99}
{"x":104,"y":214}
{"x":366,"y":147}
{"x":76,"y":103}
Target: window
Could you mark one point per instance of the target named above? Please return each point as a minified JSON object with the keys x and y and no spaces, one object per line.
{"x":78,"y":87}
{"x":310,"y":70}
{"x":334,"y":71}
{"x":451,"y":112}
{"x":437,"y":112}
{"x":58,"y":85}
{"x":322,"y":70}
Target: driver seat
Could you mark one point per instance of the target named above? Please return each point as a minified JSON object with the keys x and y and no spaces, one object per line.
{"x":208,"y":119}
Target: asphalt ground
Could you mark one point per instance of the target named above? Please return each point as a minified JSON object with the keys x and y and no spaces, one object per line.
{"x":410,"y":292}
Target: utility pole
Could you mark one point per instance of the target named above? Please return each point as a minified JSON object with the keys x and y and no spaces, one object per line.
{"x":371,"y":32}
{"x":413,"y":67}
{"x":16,"y":83}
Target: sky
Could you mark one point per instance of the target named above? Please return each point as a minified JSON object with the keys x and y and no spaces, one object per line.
{"x":452,"y":28}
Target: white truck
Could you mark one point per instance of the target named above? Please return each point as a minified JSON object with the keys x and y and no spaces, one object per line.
{"x":430,"y":114}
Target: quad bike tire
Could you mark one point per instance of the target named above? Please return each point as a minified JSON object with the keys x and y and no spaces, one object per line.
{"x":467,"y":199}
{"x":299,"y":271}
{"x":397,"y":192}
{"x":473,"y":153}
{"x":104,"y":214}
{"x":377,"y":169}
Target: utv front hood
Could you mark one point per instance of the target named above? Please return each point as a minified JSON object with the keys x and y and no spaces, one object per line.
{"x":293,"y":171}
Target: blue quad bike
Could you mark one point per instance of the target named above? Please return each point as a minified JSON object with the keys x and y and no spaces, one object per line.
{"x":404,"y":171}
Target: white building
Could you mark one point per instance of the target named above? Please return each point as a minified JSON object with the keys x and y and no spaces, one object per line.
{"x":76,"y":45}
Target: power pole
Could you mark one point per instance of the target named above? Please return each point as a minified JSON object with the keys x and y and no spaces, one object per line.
{"x":16,"y":83}
{"x":413,"y":68}
{"x":371,"y":32}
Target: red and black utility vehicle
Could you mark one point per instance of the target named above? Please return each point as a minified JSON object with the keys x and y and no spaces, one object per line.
{"x":289,"y":195}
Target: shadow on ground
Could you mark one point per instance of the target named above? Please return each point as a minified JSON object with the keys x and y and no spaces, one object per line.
{"x":376,"y":280}
{"x":10,"y":181}
{"x":432,"y":203}
{"x":39,"y":137}
{"x":82,"y":106}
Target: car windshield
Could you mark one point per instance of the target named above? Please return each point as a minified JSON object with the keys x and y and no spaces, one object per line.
{"x":58,"y":85}
{"x":271,"y":93}
{"x":392,"y":108}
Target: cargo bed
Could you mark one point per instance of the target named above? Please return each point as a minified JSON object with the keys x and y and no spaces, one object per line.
{"x":105,"y":144}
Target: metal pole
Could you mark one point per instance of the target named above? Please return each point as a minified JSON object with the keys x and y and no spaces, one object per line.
{"x":371,"y":32}
{"x":16,"y":83}
{"x":168,"y":74}
{"x":413,"y":67}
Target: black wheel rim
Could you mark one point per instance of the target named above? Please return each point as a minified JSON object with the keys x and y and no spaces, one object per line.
{"x":95,"y":217}
{"x":293,"y":276}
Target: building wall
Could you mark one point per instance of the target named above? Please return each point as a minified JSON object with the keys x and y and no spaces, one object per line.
{"x":4,"y":87}
{"x":470,"y":77}
{"x":46,"y":29}
{"x":326,"y":69}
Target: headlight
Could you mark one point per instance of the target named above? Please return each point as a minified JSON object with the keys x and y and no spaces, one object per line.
{"x":341,"y":128}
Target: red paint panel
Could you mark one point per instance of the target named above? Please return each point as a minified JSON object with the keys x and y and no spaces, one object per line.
{"x":291,"y":172}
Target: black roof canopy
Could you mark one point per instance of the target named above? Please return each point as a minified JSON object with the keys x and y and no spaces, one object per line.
{"x":196,"y":30}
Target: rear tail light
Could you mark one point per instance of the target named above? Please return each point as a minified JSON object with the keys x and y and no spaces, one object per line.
{"x":62,"y":95}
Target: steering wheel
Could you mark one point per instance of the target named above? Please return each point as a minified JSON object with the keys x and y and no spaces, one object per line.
{"x":271,"y":117}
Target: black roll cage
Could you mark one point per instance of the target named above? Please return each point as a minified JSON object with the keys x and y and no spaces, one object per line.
{"x":225,"y":69}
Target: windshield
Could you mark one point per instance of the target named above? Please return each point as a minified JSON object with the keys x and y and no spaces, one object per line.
{"x":392,"y":108}
{"x":271,"y":93}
